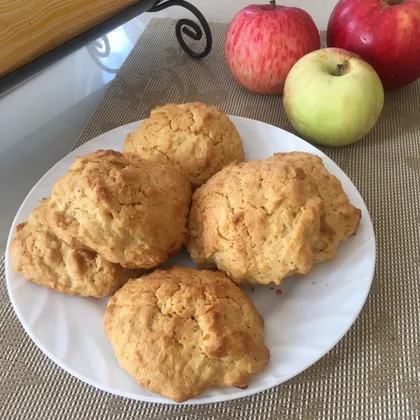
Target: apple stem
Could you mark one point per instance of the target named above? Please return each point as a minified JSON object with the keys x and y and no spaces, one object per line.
{"x":342,"y":68}
{"x":273,"y":4}
{"x":394,"y":2}
{"x":339,"y":70}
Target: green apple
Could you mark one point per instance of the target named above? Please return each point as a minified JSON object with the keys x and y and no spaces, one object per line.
{"x":333,"y":97}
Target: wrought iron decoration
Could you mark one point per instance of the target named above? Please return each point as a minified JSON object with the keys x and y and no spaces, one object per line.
{"x":187,"y":27}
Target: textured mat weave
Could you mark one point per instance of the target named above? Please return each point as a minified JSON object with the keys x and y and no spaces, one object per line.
{"x":373,"y":373}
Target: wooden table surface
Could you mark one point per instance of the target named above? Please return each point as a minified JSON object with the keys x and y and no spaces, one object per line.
{"x":30,"y":28}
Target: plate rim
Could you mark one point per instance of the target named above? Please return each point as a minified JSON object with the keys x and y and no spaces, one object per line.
{"x":158,"y":399}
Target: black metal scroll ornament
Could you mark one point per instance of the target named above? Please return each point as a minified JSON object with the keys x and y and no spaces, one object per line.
{"x":188,"y":27}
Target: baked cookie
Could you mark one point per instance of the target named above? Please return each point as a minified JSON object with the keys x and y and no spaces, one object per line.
{"x":127,"y":209}
{"x":180,"y":331}
{"x":258,"y":221}
{"x":38,"y":255}
{"x":341,"y":218}
{"x":197,"y":138}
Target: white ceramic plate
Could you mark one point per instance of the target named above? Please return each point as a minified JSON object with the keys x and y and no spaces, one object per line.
{"x":302,"y":324}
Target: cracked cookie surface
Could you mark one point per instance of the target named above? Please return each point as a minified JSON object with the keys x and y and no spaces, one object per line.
{"x":198,"y":139}
{"x":180,"y":331}
{"x":127,"y":209}
{"x":44,"y":259}
{"x":258,"y":221}
{"x":341,"y":218}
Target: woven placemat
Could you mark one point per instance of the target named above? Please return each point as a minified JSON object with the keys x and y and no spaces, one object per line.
{"x":373,"y":373}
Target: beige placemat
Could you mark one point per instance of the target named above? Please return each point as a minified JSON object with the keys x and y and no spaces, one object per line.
{"x":373,"y":373}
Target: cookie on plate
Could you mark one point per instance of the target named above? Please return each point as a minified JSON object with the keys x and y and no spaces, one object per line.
{"x":258,"y":221}
{"x":127,"y":209}
{"x":180,"y":331}
{"x":38,"y":255}
{"x":197,"y":138}
{"x":341,"y":218}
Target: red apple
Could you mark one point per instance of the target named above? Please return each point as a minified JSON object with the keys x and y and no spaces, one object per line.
{"x":263,"y":42}
{"x":386,"y":33}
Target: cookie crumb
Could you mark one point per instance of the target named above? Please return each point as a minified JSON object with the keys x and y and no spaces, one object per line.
{"x":278,"y":291}
{"x":252,"y":290}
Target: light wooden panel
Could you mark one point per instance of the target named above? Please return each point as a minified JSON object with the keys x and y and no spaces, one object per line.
{"x":29,"y":28}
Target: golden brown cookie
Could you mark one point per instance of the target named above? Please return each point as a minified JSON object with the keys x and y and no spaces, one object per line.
{"x":257,"y":221}
{"x":341,"y":218}
{"x":197,"y":138}
{"x":128,"y":210}
{"x":41,"y":257}
{"x":180,"y":331}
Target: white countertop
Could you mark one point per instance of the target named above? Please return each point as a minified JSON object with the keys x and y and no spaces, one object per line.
{"x":41,"y":119}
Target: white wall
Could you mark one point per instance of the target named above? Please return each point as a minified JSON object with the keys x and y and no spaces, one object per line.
{"x":224,"y":10}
